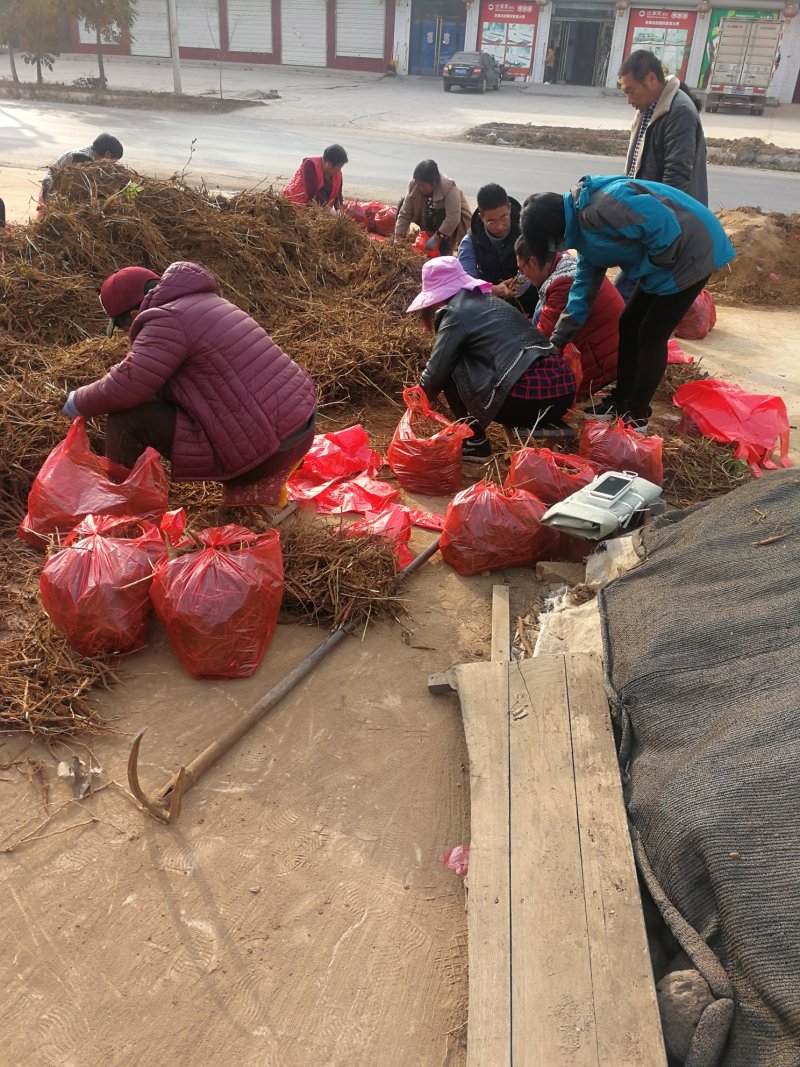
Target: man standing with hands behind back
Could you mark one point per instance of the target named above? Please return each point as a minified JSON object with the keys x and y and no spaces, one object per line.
{"x":667,"y":143}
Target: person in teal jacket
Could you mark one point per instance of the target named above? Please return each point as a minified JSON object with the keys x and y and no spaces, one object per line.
{"x":664,"y":239}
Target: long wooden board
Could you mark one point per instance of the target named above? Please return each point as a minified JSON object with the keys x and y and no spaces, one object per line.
{"x":552,"y":1007}
{"x":483,"y":693}
{"x":625,"y":1006}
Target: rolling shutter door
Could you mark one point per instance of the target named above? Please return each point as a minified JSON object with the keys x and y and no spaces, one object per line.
{"x":360,"y":26}
{"x":250,"y":26}
{"x":198,"y":24}
{"x":85,"y":35}
{"x":303,"y":33}
{"x":151,"y":29}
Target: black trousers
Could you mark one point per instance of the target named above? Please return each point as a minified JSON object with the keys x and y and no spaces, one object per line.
{"x":515,"y":412}
{"x":128,"y":433}
{"x":645,"y":327}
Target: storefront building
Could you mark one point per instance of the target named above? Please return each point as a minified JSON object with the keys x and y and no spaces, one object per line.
{"x":343,"y":34}
{"x":589,"y":38}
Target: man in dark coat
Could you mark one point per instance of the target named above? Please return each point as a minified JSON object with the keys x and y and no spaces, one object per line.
{"x":487,"y":251}
{"x":667,"y":143}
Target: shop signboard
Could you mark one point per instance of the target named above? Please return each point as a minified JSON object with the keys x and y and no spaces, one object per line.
{"x":714,"y":30}
{"x":666,"y":33}
{"x":507,"y":32}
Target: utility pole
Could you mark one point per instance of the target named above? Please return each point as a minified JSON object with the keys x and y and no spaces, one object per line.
{"x":174,"y":46}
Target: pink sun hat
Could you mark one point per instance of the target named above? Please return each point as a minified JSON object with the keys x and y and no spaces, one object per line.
{"x":442,"y":278}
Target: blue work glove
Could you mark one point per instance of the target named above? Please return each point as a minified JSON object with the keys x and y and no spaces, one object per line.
{"x":69,"y":408}
{"x":430,"y":244}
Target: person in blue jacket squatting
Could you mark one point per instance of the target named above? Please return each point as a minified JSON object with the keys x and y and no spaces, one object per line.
{"x":661,"y":237}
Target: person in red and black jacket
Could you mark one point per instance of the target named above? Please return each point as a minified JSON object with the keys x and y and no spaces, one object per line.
{"x":318,"y":179}
{"x":598,"y":338}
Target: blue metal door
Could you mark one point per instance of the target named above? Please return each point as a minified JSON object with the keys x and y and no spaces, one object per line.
{"x":424,"y":40}
{"x":451,"y":40}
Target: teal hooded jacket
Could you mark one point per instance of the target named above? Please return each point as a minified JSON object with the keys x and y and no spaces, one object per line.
{"x":661,"y":237}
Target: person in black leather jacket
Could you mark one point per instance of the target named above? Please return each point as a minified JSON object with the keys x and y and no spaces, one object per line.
{"x":489,"y":361}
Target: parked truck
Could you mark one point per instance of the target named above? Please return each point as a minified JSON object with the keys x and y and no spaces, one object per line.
{"x":743,"y":65}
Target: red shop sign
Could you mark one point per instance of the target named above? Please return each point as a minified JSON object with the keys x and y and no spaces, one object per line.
{"x":507,"y":32}
{"x":667,"y":33}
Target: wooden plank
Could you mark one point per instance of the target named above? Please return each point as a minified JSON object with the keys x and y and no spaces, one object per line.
{"x":626,"y":1011}
{"x":501,"y":624}
{"x":552,"y":1011}
{"x":483,"y":693}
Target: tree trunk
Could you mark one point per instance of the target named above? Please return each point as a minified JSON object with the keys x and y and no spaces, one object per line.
{"x":39,"y":79}
{"x":13,"y":65}
{"x":100,"y":65}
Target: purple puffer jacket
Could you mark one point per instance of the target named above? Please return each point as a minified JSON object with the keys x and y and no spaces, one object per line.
{"x":238,"y":394}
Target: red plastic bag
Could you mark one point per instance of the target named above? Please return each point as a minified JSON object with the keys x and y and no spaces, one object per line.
{"x":756,"y":424}
{"x":372,"y":207}
{"x":675,"y":353}
{"x":425,"y":452}
{"x":341,"y":453}
{"x":355,"y":211}
{"x":428,"y":520}
{"x":362,"y":493}
{"x":96,"y":588}
{"x":219,"y":605}
{"x":550,"y":476}
{"x":393,"y":524}
{"x":572,"y":357}
{"x":383,"y":222}
{"x":699,"y":320}
{"x":419,"y":245}
{"x":74,"y":482}
{"x":486,"y":527}
{"x":610,"y":446}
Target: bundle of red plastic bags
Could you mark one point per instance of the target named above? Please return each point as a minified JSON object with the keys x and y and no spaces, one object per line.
{"x":425,"y":452}
{"x":380,"y":218}
{"x":219,"y":604}
{"x":550,"y":476}
{"x":486,"y":528}
{"x":757,"y":425}
{"x":337,"y":474}
{"x":611,"y":446}
{"x":74,"y":482}
{"x":96,"y":589}
{"x":699,"y":320}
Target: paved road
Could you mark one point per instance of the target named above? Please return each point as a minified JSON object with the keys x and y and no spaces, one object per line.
{"x":254,"y":145}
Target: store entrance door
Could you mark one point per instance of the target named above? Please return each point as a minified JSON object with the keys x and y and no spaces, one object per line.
{"x":437,"y":31}
{"x":582,"y":47}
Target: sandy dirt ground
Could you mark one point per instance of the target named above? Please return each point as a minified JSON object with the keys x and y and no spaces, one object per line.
{"x":298,"y":914}
{"x":757,"y":349}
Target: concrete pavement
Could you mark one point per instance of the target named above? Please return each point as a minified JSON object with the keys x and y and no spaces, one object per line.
{"x":408,"y":106}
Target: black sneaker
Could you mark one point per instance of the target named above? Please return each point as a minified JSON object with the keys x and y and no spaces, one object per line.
{"x":476,"y":451}
{"x":607,"y":409}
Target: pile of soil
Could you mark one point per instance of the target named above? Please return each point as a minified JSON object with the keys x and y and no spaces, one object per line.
{"x":109,"y":97}
{"x":742,"y":152}
{"x":766,"y":270}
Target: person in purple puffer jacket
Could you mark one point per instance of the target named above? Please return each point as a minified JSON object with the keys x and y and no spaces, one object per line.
{"x":203,"y":384}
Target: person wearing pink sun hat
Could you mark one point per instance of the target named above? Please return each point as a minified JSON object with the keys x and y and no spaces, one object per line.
{"x":489,"y":361}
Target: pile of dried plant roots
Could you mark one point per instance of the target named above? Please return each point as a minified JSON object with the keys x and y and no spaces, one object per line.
{"x":330,"y":296}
